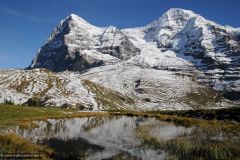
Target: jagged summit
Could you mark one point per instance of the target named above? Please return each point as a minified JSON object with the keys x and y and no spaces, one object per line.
{"x":111,"y":29}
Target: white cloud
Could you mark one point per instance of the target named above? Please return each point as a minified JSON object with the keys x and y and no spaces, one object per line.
{"x":25,"y":16}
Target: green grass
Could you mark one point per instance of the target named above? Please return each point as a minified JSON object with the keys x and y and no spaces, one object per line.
{"x":23,"y":116}
{"x":9,"y":114}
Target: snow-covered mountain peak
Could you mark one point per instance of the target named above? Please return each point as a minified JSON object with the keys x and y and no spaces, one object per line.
{"x":79,"y":24}
{"x":171,"y":22}
{"x":75,"y":24}
{"x":176,"y":17}
{"x":174,"y":12}
{"x":75,"y":19}
{"x":173,"y":17}
{"x":73,"y":15}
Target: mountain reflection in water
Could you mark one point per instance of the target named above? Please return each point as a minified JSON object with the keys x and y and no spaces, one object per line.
{"x":104,"y":138}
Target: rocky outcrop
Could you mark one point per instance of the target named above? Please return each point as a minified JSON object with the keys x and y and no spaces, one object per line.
{"x":115,"y":43}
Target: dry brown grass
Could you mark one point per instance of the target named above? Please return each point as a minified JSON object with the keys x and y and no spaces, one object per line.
{"x":198,"y":145}
{"x":12,"y":143}
{"x":108,"y":98}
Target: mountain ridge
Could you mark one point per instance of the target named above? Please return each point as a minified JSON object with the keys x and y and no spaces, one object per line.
{"x":196,"y":41}
{"x":179,"y":61}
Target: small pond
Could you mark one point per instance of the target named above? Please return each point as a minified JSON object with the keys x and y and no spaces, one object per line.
{"x":125,"y":138}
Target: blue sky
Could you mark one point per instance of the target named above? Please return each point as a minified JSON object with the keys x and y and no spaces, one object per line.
{"x":26,"y":24}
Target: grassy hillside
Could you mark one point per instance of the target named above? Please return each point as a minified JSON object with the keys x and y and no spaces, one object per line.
{"x":107,"y":98}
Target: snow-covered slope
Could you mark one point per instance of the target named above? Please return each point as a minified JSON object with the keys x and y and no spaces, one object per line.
{"x":41,"y":87}
{"x":181,"y":39}
{"x":107,"y":88}
{"x":157,"y":89}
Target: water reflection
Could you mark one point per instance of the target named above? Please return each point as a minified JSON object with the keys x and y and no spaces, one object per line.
{"x":105,"y":138}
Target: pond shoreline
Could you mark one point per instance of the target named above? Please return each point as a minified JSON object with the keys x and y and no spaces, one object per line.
{"x":227,"y":119}
{"x":23,"y":116}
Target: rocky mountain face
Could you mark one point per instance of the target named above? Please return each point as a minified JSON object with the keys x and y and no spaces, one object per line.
{"x":76,"y":45}
{"x":179,"y":61}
